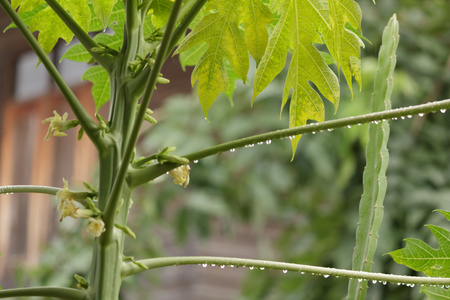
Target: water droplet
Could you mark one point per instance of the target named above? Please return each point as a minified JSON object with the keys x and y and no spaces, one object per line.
{"x":302,"y":273}
{"x":232,"y":150}
{"x":291,"y":137}
{"x":313,"y":132}
{"x":399,"y":283}
{"x":359,"y":124}
{"x":284,"y":271}
{"x":196,"y":161}
{"x":395,"y":118}
{"x":260,"y":143}
{"x":262,"y":268}
{"x":329,"y":129}
{"x":412,"y":285}
{"x":402,"y":117}
{"x":222,"y":266}
{"x":374,"y":281}
{"x":268,"y":142}
{"x":376,"y":122}
{"x":409,"y":116}
{"x":231,"y":266}
{"x":384,"y":282}
{"x":359,"y":280}
{"x":204,"y":265}
{"x":349,"y":126}
{"x":421,"y":114}
{"x":213,"y":265}
{"x":251,"y":268}
{"x":443,"y":110}
{"x":326,"y":276}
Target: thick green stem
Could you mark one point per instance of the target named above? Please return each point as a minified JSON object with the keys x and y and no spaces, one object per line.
{"x":137,"y":177}
{"x":131,"y":142}
{"x":88,"y":124}
{"x":83,"y":37}
{"x":254,"y":264}
{"x":45,"y":291}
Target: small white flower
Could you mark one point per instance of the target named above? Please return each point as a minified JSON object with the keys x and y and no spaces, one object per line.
{"x":95,"y":226}
{"x":181,"y":175}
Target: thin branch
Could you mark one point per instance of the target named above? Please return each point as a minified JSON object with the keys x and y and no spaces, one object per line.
{"x":88,"y":43}
{"x":88,"y":124}
{"x":184,"y":24}
{"x":47,"y":291}
{"x":140,"y":176}
{"x":111,"y":206}
{"x":11,"y":189}
{"x":129,"y":269}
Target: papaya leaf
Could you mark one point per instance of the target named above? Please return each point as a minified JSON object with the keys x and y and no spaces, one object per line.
{"x":47,"y":22}
{"x":419,"y":256}
{"x":436,"y":293}
{"x":377,"y":157}
{"x":220,"y":30}
{"x":160,"y":11}
{"x":302,"y":24}
{"x":103,"y":10}
{"x":27,"y":16}
{"x":101,"y":89}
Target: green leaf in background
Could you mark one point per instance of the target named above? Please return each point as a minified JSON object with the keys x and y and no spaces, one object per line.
{"x":101,"y":89}
{"x":220,"y":30}
{"x":103,"y":10}
{"x":301,"y":25}
{"x":419,"y":256}
{"x":435,"y":293}
{"x":49,"y":25}
{"x":377,"y":160}
{"x":160,"y":11}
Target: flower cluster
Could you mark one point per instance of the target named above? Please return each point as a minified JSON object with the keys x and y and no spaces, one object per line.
{"x":67,"y":208}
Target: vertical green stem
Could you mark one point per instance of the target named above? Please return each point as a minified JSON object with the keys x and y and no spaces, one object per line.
{"x":377,"y":156}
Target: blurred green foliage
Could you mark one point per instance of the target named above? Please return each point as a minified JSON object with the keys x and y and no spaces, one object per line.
{"x":313,"y":200}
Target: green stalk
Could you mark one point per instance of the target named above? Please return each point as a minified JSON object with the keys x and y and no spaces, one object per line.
{"x":137,"y":177}
{"x":82,"y":36}
{"x":11,"y":189}
{"x":45,"y":291}
{"x":377,"y":157}
{"x":130,"y":268}
{"x":88,"y":124}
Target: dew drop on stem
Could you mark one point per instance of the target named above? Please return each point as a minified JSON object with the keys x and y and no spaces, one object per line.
{"x":204,"y":265}
{"x":262,"y":268}
{"x":443,"y":110}
{"x":409,"y":116}
{"x":284,"y":271}
{"x":421,"y":114}
{"x":326,"y":276}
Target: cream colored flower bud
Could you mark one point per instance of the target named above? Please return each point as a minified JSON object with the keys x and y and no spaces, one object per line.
{"x":96,"y":226}
{"x":181,"y":175}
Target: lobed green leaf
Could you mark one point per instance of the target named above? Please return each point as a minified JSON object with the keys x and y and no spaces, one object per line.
{"x":220,"y":30}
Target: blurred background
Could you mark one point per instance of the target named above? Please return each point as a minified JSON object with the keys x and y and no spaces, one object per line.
{"x":251,"y":203}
